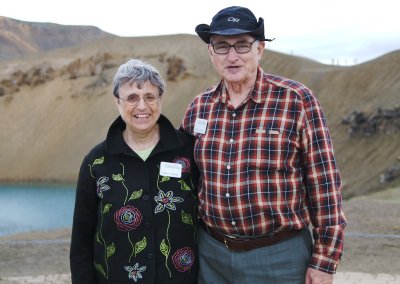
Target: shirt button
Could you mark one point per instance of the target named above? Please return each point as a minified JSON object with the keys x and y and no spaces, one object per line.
{"x":150,"y":256}
{"x":228,"y":167}
{"x":233,"y":114}
{"x":233,"y":223}
{"x":147,"y":225}
{"x":231,"y":140}
{"x":227,"y":194}
{"x":145,"y":197}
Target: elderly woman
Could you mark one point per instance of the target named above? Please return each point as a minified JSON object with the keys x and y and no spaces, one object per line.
{"x":135,"y":209}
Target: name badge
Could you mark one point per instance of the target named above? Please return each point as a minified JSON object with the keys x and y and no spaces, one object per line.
{"x":170,"y":169}
{"x":200,"y":126}
{"x":274,"y":132}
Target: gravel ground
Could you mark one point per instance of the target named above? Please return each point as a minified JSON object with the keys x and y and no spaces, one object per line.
{"x":372,"y":244}
{"x":372,"y":236}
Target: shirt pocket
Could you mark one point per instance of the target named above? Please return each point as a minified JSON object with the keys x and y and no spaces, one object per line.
{"x":272,"y":149}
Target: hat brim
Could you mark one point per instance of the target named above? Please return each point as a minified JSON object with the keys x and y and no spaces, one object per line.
{"x":203,"y":31}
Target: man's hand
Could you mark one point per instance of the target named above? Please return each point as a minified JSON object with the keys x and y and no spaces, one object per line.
{"x":314,"y":276}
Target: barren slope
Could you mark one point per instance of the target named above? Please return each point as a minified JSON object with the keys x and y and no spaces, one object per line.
{"x":20,"y":38}
{"x":55,"y":106}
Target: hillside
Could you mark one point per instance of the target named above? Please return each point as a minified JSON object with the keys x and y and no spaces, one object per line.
{"x":19,"y":38}
{"x":55,"y":106}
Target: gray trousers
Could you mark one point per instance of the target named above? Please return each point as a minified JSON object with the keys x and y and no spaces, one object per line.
{"x":282,"y":263}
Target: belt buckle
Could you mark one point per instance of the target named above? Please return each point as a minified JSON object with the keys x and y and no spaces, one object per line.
{"x":228,"y":236}
{"x":226,"y":243}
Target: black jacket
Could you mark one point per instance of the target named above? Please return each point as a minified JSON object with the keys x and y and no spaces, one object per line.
{"x":131,"y":224}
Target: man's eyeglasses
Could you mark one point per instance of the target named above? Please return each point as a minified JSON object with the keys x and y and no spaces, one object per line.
{"x":133,"y":100}
{"x":240,"y":47}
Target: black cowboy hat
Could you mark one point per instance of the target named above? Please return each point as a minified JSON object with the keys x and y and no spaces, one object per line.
{"x":233,"y":20}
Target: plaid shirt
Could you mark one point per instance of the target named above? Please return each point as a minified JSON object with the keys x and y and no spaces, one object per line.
{"x":268,"y":165}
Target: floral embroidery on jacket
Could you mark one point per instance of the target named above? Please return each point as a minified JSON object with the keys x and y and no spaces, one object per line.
{"x":127,"y":218}
{"x":101,"y":186}
{"x":166,"y":200}
{"x":183,"y":259}
{"x":185,"y":162}
{"x":135,"y":272}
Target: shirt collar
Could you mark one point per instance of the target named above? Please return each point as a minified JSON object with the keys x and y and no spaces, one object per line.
{"x":256,"y":94}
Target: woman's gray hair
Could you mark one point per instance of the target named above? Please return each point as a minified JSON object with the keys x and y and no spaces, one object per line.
{"x":137,"y":72}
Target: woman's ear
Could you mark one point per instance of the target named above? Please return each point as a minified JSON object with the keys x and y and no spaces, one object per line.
{"x":116,"y":100}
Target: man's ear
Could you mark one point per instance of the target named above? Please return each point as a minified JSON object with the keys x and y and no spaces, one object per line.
{"x":261,"y":48}
{"x":210,"y":52}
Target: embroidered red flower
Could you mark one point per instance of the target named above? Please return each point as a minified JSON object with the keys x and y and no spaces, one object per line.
{"x":128,"y":218}
{"x":185,"y":162}
{"x":183,"y":259}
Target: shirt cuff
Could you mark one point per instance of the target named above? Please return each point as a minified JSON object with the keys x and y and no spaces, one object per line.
{"x":323,"y":263}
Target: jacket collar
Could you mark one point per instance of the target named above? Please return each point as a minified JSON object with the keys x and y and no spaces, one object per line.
{"x":168,"y":138}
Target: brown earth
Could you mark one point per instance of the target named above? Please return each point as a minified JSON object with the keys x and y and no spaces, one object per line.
{"x":55,"y":106}
{"x":372,"y":243}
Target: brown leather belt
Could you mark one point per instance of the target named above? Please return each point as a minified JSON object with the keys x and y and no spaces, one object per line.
{"x":245,"y":244}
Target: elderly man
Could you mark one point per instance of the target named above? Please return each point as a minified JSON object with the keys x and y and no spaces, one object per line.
{"x":267,"y":166}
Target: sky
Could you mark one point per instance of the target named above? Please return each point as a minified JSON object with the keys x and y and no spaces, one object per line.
{"x":340,"y":32}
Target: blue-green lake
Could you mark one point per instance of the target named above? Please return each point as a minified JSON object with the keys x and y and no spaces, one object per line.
{"x":35,"y":207}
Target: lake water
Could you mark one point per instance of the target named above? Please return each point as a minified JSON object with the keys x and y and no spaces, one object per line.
{"x":35,"y":207}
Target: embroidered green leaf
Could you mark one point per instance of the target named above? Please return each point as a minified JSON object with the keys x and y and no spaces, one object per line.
{"x":165,"y":178}
{"x":184,"y":186}
{"x":164,"y":248}
{"x":99,"y":161}
{"x":90,"y":170}
{"x":110,"y":250}
{"x":186,"y":218}
{"x":100,"y":269}
{"x":140,"y":245}
{"x":117,"y":177}
{"x":107,"y":208}
{"x":97,"y":238}
{"x":136,"y":194}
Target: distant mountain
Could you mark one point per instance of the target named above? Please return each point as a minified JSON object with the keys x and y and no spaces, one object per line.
{"x":57,"y":105}
{"x":19,"y":38}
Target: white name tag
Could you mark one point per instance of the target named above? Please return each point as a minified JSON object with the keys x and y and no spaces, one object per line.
{"x":170,"y":169}
{"x":200,"y":125}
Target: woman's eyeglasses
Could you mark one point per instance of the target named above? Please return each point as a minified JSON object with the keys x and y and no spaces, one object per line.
{"x":133,"y":100}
